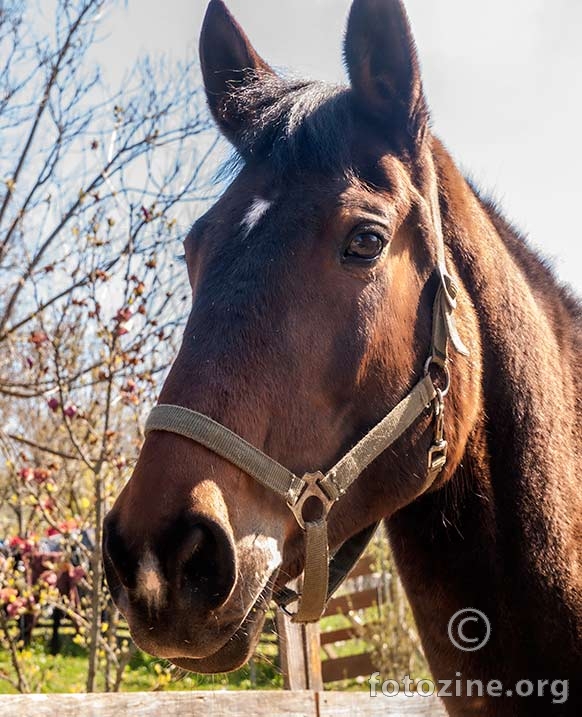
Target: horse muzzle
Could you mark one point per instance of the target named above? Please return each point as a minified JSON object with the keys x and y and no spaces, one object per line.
{"x":183,"y":599}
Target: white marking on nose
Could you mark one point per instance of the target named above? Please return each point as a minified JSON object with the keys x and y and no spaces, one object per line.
{"x":259,"y":207}
{"x":271,"y":556}
{"x":150,"y":582}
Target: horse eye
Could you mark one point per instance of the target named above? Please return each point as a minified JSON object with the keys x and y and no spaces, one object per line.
{"x":365,"y":246}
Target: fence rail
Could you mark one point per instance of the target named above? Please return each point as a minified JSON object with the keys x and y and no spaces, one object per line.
{"x":221,"y":704}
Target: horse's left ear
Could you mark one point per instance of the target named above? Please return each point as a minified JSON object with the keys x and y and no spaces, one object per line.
{"x":382,"y":62}
{"x":228,"y":62}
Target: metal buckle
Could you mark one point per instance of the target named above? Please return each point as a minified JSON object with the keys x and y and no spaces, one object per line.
{"x":437,"y":453}
{"x":286,"y":610}
{"x":311,"y":489}
{"x":436,"y":361}
{"x":287,"y":596}
{"x":437,"y":457}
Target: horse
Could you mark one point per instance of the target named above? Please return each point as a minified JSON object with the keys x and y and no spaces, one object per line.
{"x":358,"y":304}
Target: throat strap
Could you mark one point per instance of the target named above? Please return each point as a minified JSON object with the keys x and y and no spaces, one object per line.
{"x":316,"y":578}
{"x":340,"y":566}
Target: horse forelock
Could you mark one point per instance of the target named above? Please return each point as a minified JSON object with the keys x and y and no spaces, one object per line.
{"x":296,"y":125}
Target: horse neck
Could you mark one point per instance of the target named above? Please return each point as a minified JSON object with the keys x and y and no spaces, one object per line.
{"x":531,"y":343}
{"x":504,"y":534}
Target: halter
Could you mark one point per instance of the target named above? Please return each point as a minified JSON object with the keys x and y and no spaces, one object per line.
{"x":323,"y":576}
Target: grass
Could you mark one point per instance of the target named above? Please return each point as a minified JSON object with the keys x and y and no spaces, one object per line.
{"x":67,"y":671}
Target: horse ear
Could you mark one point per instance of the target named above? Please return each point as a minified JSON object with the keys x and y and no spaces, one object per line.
{"x":383,"y":66}
{"x":228,"y":61}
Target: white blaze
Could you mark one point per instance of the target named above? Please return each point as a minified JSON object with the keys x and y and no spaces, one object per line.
{"x":259,"y":207}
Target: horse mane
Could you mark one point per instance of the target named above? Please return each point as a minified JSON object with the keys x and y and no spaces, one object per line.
{"x":299,"y":126}
{"x":303,"y":126}
{"x":537,"y":268}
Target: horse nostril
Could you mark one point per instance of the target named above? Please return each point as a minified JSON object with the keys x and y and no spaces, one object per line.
{"x":192,"y":544}
{"x":206,"y":565}
{"x":195,"y":555}
{"x":118,"y":562}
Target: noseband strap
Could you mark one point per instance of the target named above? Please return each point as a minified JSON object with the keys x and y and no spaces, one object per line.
{"x":321,"y":577}
{"x":228,"y":445}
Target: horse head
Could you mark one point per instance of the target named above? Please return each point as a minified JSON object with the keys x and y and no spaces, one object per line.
{"x":313,"y":282}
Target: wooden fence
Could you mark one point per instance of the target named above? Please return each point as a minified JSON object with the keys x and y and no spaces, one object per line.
{"x":365,"y":591}
{"x":220,"y":704}
{"x":301,"y":647}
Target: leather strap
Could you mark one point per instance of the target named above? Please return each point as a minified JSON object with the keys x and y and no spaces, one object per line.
{"x":347,"y":556}
{"x":340,"y":566}
{"x":316,"y":578}
{"x":381,"y":437}
{"x":227,"y":444}
{"x":444,"y":328}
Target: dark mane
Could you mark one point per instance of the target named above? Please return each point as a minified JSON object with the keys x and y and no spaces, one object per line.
{"x":298,"y":125}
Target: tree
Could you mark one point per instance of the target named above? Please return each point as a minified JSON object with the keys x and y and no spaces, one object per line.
{"x":96,"y":189}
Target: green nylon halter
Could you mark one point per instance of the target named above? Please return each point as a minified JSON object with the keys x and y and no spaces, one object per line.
{"x":329,"y":487}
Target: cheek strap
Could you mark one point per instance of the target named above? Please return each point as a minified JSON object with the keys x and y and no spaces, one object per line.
{"x":328,"y":488}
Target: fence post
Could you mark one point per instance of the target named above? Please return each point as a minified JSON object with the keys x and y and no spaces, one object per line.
{"x":299,"y":654}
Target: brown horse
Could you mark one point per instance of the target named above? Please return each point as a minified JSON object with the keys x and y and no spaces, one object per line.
{"x":313,"y":283}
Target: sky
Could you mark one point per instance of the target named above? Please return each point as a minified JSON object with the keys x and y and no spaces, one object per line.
{"x":503,"y":79}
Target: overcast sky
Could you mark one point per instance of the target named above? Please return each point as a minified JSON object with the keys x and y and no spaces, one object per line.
{"x":503,"y":79}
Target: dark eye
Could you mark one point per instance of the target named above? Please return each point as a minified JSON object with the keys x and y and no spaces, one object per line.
{"x":365,"y":247}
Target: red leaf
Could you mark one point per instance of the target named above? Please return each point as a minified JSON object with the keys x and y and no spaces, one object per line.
{"x":123,"y":315}
{"x":26,"y":473}
{"x":40,"y":475}
{"x":38,"y":338}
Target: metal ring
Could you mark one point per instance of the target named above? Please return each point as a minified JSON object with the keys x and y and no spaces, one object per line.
{"x":311,"y":489}
{"x":444,"y":367}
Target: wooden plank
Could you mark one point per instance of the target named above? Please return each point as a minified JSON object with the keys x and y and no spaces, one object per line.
{"x":343,"y":668}
{"x":299,"y":654}
{"x":340,"y":635}
{"x":169,"y":704}
{"x":362,"y":567}
{"x":356,"y":601}
{"x":291,"y":657}
{"x":361,"y":704}
{"x":274,"y":703}
{"x":312,"y":656}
